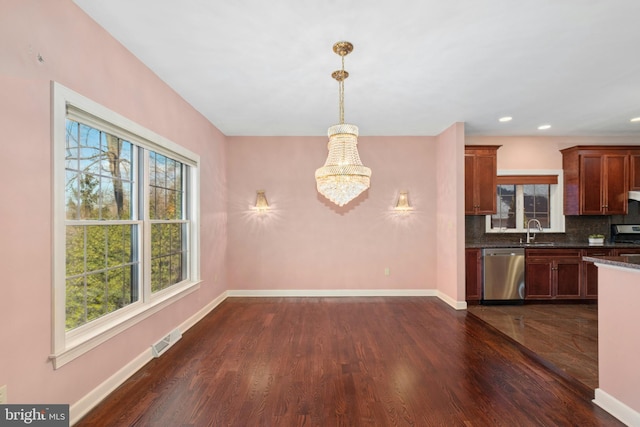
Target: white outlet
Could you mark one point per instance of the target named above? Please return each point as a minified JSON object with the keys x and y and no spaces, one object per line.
{"x":387,"y":271}
{"x":3,"y":394}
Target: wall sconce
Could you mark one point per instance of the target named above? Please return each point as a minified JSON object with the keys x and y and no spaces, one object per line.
{"x":261,"y":202}
{"x":403,"y":205}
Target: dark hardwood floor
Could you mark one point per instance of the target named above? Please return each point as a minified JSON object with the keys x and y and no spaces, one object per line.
{"x":564,"y":336}
{"x":393,"y":361}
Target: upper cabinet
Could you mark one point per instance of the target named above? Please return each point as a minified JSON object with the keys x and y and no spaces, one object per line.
{"x":596,"y":180}
{"x":634,"y":173}
{"x":480,"y":175}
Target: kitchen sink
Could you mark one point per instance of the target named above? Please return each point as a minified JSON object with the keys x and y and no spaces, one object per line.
{"x":538,"y":244}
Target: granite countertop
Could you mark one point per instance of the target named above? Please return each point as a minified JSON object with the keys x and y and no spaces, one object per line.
{"x":545,"y":245}
{"x":628,"y":261}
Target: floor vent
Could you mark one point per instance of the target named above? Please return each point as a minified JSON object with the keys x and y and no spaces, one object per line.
{"x":163,"y":345}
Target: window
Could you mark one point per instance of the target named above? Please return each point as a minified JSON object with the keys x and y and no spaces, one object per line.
{"x":125,"y":223}
{"x":522,"y":197}
{"x":168,"y":223}
{"x":101,"y":252}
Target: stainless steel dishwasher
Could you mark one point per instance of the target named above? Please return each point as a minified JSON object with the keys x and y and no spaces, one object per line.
{"x":503,"y":276}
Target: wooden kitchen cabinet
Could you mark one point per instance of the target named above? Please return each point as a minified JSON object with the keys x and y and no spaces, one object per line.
{"x":596,"y":180}
{"x":473,"y":275}
{"x":552,"y":274}
{"x":538,"y":278}
{"x":480,"y":179}
{"x":589,"y":286}
{"x":626,"y":251}
{"x":634,"y":170}
{"x":604,"y":186}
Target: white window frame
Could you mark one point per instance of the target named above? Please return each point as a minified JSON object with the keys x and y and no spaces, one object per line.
{"x":556,"y":200}
{"x":68,"y":345}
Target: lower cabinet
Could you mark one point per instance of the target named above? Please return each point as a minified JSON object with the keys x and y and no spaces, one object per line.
{"x":473,"y":275}
{"x":590,"y":272}
{"x":626,"y":251}
{"x":553,"y":274}
{"x":550,"y":273}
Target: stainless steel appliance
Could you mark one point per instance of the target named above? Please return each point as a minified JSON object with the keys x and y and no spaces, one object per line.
{"x":625,"y":233}
{"x":503,"y":276}
{"x":634,"y":195}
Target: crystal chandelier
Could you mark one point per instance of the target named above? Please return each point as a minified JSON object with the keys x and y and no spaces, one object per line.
{"x":343,"y":177}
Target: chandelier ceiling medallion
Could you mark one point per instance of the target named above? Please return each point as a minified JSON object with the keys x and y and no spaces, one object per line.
{"x":343,"y":177}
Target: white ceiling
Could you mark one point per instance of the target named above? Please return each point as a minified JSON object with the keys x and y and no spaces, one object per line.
{"x":256,"y":67}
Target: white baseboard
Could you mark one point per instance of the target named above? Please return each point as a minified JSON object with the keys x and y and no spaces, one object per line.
{"x":334,"y":293}
{"x":95,"y":396}
{"x":458,"y":305}
{"x":624,"y":413}
{"x":187,"y":324}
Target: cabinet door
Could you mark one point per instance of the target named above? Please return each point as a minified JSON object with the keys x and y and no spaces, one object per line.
{"x":604,"y":184}
{"x":616,"y":180}
{"x":473,"y":275}
{"x":538,"y":278}
{"x":591,"y":184}
{"x":590,"y":287}
{"x":634,"y":171}
{"x":567,"y":278}
{"x":626,"y":251}
{"x":469,"y":184}
{"x":590,"y":273}
{"x":486,"y":179}
{"x":480,"y":179}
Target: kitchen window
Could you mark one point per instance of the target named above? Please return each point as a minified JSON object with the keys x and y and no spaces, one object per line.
{"x":125,"y":224}
{"x":522,"y":196}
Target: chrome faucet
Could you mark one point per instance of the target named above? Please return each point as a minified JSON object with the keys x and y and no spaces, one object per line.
{"x":538,"y":226}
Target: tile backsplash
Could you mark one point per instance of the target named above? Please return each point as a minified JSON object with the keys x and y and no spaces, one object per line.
{"x":577,"y":228}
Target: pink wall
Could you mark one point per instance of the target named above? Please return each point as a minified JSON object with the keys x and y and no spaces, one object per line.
{"x":619,"y":336}
{"x":450,"y":213}
{"x":540,"y":152}
{"x":83,"y":57}
{"x":306,"y":242}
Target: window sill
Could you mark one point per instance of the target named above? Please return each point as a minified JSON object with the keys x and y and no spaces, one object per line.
{"x":77,"y":344}
{"x":514,"y":231}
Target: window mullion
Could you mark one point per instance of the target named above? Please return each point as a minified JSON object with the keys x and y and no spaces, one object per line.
{"x":136,"y":214}
{"x":143,"y":210}
{"x":186,"y":215}
{"x":519,"y":207}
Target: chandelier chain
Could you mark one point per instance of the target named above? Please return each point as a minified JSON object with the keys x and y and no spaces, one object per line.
{"x":341,"y":92}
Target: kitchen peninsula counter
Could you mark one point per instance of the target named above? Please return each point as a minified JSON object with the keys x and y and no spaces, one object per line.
{"x":626,"y":261}
{"x":618,"y":389}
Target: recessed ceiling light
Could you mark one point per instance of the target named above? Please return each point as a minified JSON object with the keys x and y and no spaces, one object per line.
{"x":543,"y":127}
{"x":505,"y":119}
{"x":635,"y":119}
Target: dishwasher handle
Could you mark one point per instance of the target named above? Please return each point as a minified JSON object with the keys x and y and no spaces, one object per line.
{"x":503,"y":252}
